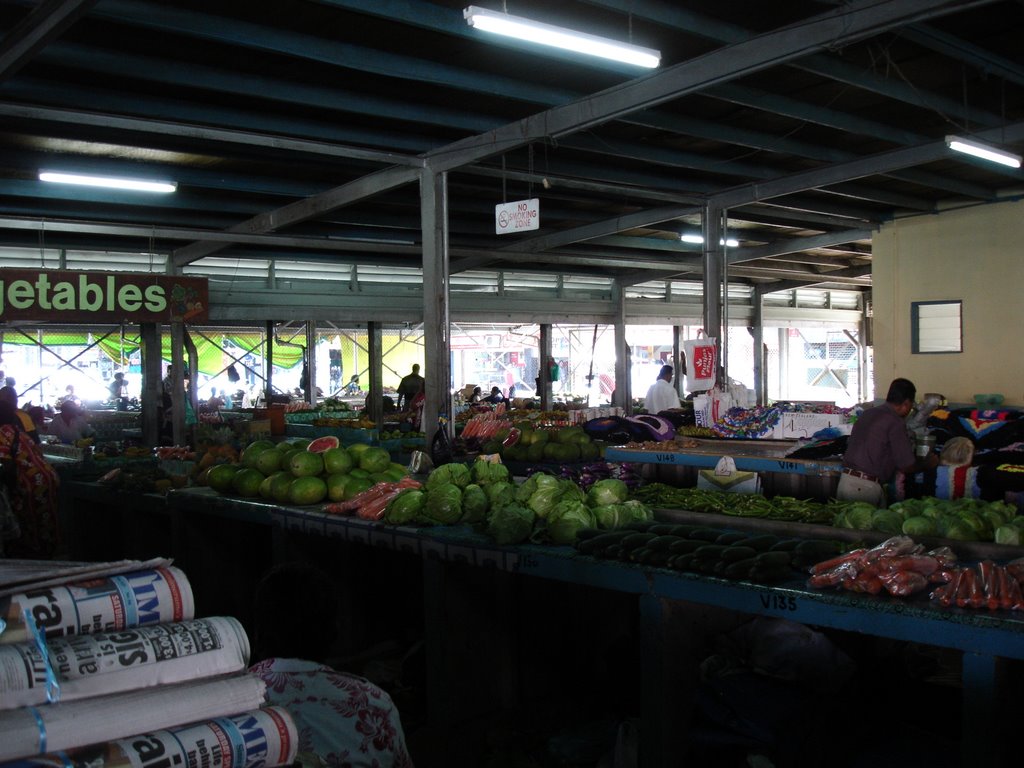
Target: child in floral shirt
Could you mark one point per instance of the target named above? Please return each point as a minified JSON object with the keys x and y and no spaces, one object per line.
{"x":343,"y":721}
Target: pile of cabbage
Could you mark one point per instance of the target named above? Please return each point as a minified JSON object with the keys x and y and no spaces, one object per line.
{"x":544,"y":508}
{"x":958,"y":519}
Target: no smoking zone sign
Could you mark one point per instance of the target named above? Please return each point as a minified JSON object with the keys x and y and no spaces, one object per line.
{"x":518,"y":216}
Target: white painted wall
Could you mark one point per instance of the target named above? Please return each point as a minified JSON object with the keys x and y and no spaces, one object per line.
{"x":976,"y":255}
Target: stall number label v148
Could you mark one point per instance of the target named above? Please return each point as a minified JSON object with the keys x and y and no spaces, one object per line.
{"x":518,"y":216}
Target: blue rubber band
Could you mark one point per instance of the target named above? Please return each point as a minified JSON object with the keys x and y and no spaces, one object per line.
{"x":52,"y":684}
{"x":42,"y":729}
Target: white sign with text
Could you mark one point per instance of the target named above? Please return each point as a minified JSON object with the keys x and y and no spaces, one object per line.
{"x":517,"y":216}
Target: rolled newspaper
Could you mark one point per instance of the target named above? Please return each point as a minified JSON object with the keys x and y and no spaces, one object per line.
{"x":92,"y":665}
{"x":32,"y":731}
{"x":262,"y":738}
{"x":106,"y":604}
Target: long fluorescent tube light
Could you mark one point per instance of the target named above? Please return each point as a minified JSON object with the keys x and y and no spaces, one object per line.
{"x":984,"y":151}
{"x":560,"y":37}
{"x":699,"y":240}
{"x":108,"y":182}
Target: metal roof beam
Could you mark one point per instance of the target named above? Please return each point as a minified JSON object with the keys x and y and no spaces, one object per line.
{"x":44,"y":23}
{"x":852,"y":22}
{"x":868,"y":166}
{"x":796,"y":244}
{"x":986,"y":61}
{"x":202,"y":133}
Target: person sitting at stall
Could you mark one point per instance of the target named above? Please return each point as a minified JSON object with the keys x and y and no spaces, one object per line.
{"x":215,"y":402}
{"x":477,"y":394}
{"x":352,"y":388}
{"x":495,"y":396}
{"x":119,"y":391}
{"x":70,"y":424}
{"x":662,"y":396}
{"x":31,"y":491}
{"x":341,"y":719}
{"x":69,"y":394}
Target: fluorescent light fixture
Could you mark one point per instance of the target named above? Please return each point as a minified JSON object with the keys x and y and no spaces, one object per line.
{"x":108,"y":182}
{"x":560,"y":37}
{"x":984,"y":151}
{"x":699,"y":240}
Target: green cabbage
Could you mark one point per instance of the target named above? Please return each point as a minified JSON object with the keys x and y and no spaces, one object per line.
{"x":608,"y":491}
{"x":566,"y":519}
{"x":886,"y":521}
{"x":639,"y":510}
{"x":526,"y":489}
{"x":454,"y":473}
{"x":954,"y":527}
{"x":405,"y":507}
{"x":510,"y":524}
{"x":1008,"y":534}
{"x":550,"y":492}
{"x":919,"y":526}
{"x":444,"y":504}
{"x":474,"y":504}
{"x":859,"y":515}
{"x":487,"y":472}
{"x":500,"y":493}
{"x":620,"y":515}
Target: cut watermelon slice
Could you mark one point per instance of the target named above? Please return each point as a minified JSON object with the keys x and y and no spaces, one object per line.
{"x":322,"y":444}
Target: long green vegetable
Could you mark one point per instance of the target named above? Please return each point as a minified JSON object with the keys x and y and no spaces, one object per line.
{"x":737,"y":504}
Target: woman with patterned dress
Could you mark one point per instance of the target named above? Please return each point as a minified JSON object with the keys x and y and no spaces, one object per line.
{"x":344,"y":721}
{"x":32,"y":493}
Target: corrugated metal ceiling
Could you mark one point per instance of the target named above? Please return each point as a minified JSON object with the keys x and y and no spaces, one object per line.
{"x":810,"y":135}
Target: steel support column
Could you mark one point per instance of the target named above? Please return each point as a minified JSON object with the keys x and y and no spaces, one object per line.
{"x":714,"y":262}
{"x":757,"y":333}
{"x":178,"y":383}
{"x":623,"y":358}
{"x":309,"y":380}
{"x":152,"y":393}
{"x":375,"y":351}
{"x":677,"y":359}
{"x":436,"y":326}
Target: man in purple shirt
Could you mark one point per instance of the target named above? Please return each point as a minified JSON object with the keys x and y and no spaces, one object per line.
{"x":879,"y":445}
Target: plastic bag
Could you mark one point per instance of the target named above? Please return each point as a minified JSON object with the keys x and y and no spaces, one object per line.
{"x":701,"y":363}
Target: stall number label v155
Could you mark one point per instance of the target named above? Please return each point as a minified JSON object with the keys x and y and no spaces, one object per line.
{"x":518,"y":216}
{"x":771,"y":601}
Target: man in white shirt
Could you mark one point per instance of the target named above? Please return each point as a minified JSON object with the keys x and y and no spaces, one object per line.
{"x":662,"y":395}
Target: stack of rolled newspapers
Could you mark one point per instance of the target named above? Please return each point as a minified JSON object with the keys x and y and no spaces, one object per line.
{"x":104,"y":666}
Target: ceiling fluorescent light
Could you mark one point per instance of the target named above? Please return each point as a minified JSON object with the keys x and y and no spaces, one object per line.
{"x":108,"y":182}
{"x":699,"y":240}
{"x":984,"y":151}
{"x":560,"y":37}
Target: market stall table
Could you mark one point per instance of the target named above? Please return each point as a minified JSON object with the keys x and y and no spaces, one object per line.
{"x":803,"y":478}
{"x":232,"y":553}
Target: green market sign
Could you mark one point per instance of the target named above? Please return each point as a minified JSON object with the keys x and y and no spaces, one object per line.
{"x":66,"y":296}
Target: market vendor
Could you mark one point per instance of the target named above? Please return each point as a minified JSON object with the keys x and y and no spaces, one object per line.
{"x":662,"y":396}
{"x":70,"y":423}
{"x":879,"y":446}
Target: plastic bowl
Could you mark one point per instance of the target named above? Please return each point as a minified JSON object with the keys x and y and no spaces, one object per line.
{"x":989,"y":400}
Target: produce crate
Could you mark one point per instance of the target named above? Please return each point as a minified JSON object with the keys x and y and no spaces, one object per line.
{"x":301,"y":417}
